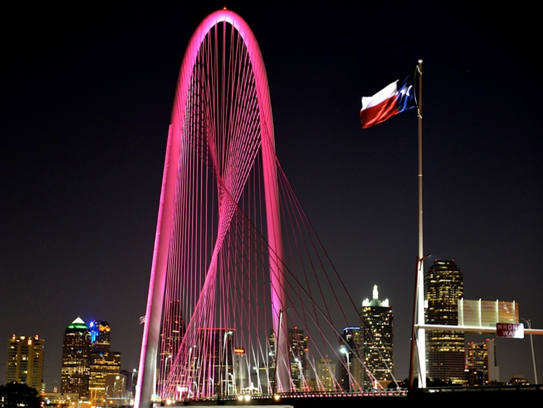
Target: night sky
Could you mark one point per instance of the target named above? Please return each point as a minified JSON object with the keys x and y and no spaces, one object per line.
{"x":86,"y":96}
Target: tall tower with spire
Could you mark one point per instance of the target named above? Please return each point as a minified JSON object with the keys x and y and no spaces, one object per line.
{"x":377,"y":323}
{"x":76,"y":349}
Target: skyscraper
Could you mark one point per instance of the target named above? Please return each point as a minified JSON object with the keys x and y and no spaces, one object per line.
{"x":326,"y":374}
{"x":103,"y":362}
{"x":76,"y":349}
{"x":100,"y":335}
{"x":351,"y":370}
{"x":298,"y":357}
{"x":171,"y":337}
{"x":378,"y":323}
{"x":215,"y":346}
{"x":481,"y":364}
{"x":25,"y":361}
{"x":445,"y":349}
{"x":298,"y":349}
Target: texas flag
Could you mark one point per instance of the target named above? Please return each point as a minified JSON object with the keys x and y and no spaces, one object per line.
{"x":389,"y":101}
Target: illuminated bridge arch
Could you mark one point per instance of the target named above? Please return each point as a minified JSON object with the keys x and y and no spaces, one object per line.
{"x":242,"y":296}
{"x":221,"y":121}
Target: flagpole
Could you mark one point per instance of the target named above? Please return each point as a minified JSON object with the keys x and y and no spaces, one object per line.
{"x":421,"y":338}
{"x":370,"y":116}
{"x":421,"y":257}
{"x":418,"y":336}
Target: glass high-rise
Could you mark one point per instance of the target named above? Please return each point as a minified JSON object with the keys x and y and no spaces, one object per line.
{"x":298,"y":358}
{"x":215,"y":347}
{"x":171,"y":337}
{"x":326,"y":373}
{"x":100,"y":335}
{"x":25,"y":361}
{"x":481,"y":365}
{"x":298,"y":349}
{"x":104,"y":363}
{"x":76,"y":349}
{"x":445,"y":349}
{"x":378,"y":340}
{"x":351,"y":370}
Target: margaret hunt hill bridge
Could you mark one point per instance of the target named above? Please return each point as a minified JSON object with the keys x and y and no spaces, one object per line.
{"x":243,"y":300}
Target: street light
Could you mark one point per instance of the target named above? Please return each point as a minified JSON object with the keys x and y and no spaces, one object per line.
{"x":239,"y":352}
{"x":233,"y":380}
{"x":529,"y":323}
{"x":190,"y":353}
{"x":120,"y":395}
{"x":197,"y":389}
{"x":224,"y":357}
{"x":133,"y":383}
{"x":300,"y":371}
{"x":211,"y":386}
{"x":344,"y":350}
{"x":165,"y":373}
{"x":190,"y":368}
{"x":258,"y":382}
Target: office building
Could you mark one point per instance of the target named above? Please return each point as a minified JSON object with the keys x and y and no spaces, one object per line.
{"x":100,"y":335}
{"x":215,"y":346}
{"x":326,"y":375}
{"x":171,"y":337}
{"x":445,"y":349}
{"x":105,"y":364}
{"x":76,"y":350}
{"x":299,"y":364}
{"x":481,"y":363}
{"x":116,"y":391}
{"x":492,"y":364}
{"x":241,"y":383}
{"x":298,"y":358}
{"x":25,"y":361}
{"x":378,"y":340}
{"x":131,"y":380}
{"x":351,"y":368}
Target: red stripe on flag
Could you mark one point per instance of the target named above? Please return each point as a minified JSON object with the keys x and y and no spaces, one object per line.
{"x":379,"y":113}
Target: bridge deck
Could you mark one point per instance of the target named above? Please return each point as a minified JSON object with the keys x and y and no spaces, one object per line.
{"x":502,"y":394}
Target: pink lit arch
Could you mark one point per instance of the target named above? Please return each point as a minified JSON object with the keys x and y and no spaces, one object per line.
{"x":172,"y":168}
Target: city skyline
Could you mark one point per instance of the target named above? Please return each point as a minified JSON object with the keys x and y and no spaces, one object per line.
{"x":87,"y":103}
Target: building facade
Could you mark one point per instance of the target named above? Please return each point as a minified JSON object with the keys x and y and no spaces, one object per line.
{"x":326,"y":375}
{"x":299,"y":363}
{"x":76,"y":350}
{"x":378,"y":339}
{"x":215,"y":346}
{"x":481,"y":363}
{"x":171,"y":338}
{"x":25,"y":361}
{"x":104,"y":364}
{"x":100,"y":335}
{"x":445,"y":349}
{"x":351,"y":373}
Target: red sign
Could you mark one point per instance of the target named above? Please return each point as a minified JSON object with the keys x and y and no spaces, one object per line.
{"x":510,"y":330}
